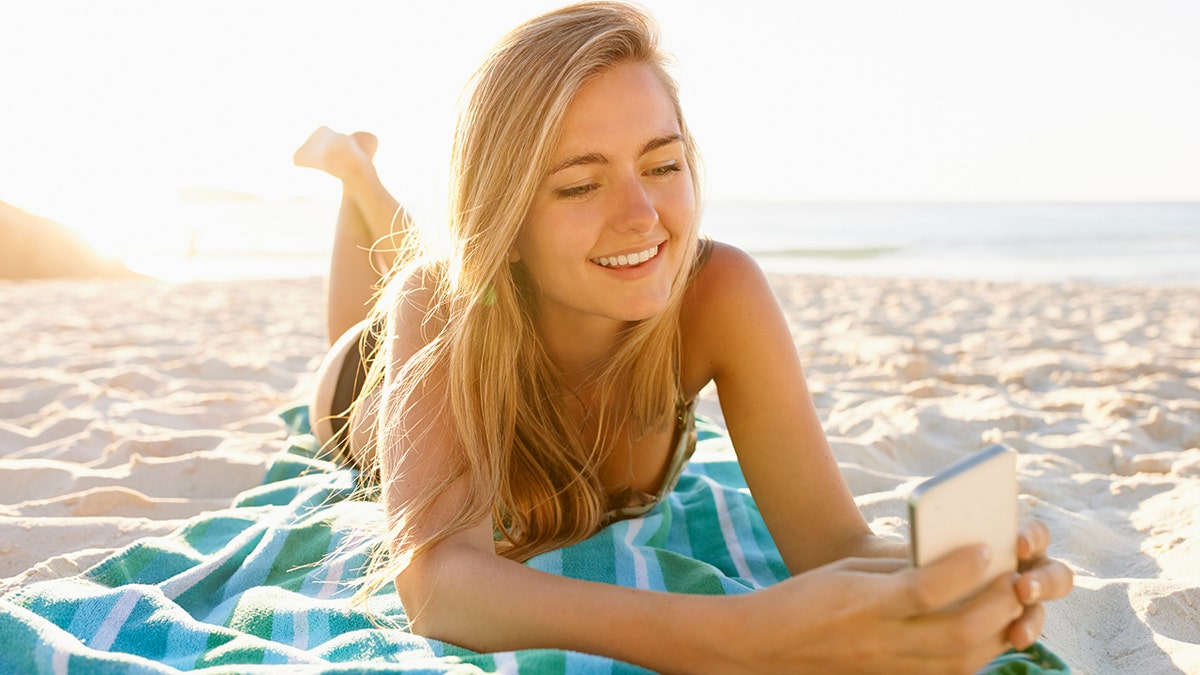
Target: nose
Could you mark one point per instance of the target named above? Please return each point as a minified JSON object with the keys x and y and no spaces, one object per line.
{"x":636,"y":212}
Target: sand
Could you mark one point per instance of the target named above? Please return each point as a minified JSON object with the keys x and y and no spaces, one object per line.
{"x":127,"y":407}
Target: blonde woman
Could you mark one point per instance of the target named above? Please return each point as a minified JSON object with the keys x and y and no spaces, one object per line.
{"x":538,"y":383}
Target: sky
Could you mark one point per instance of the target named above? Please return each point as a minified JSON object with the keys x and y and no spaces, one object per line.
{"x":109,"y":109}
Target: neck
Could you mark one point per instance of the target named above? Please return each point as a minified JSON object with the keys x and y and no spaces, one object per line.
{"x":579,"y":347}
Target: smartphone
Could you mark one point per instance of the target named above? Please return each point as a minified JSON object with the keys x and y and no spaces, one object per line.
{"x":973,"y":501}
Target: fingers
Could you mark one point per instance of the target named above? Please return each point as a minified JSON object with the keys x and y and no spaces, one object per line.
{"x":981,"y":624}
{"x":1047,"y":579}
{"x":1032,"y":540}
{"x":1025,"y":630}
{"x":946,"y":580}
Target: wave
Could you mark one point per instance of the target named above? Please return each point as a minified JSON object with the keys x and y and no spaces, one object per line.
{"x":857,"y":253}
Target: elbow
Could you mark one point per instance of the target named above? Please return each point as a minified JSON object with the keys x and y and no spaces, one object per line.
{"x":427,"y":592}
{"x":417,"y":587}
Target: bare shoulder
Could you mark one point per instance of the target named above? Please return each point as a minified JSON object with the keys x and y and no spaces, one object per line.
{"x":729,"y":281}
{"x":729,"y":298}
{"x":410,"y":303}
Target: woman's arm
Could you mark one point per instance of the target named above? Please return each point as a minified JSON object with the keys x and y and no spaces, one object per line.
{"x":853,"y":616}
{"x":740,"y":335}
{"x":737,"y":331}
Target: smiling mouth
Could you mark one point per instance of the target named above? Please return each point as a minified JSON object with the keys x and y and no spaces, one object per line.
{"x":625,"y":261}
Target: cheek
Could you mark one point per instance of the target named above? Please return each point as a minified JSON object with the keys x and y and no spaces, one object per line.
{"x":681,"y":209}
{"x":553,"y":236}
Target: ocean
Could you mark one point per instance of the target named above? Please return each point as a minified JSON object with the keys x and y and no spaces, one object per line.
{"x":1104,"y":243}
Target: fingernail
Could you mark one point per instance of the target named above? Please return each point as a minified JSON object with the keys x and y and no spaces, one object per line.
{"x":1028,"y":541}
{"x":1035,"y":590}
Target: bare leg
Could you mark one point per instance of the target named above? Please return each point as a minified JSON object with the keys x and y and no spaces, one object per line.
{"x":370,"y":227}
{"x":365,"y":243}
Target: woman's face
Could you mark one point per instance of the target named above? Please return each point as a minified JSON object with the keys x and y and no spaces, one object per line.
{"x":609,"y":225}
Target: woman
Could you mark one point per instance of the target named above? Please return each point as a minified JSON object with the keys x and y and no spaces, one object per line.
{"x":538,"y":383}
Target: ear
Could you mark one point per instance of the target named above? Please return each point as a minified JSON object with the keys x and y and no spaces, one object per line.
{"x":513,"y":255}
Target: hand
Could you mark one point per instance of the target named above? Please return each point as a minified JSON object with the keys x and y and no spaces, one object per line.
{"x":873,"y":615}
{"x":1041,"y":579}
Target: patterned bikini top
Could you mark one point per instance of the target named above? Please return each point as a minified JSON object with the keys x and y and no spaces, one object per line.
{"x":631,"y":502}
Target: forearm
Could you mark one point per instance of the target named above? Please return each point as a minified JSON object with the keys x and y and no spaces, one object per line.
{"x":478,"y":600}
{"x":873,"y":546}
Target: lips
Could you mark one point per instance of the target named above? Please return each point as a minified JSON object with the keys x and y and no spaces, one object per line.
{"x":627,"y":260}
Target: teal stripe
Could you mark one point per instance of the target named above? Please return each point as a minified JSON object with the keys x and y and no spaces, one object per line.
{"x":320,"y":628}
{"x":186,"y":641}
{"x":209,"y":535}
{"x":703,"y":527}
{"x":678,"y":538}
{"x":551,"y":561}
{"x":19,"y":629}
{"x":145,"y":630}
{"x":90,"y":605}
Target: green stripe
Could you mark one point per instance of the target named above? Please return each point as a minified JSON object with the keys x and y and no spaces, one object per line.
{"x":228,"y":650}
{"x":684,"y":575}
{"x":253,"y":613}
{"x":541,"y":661}
{"x":593,"y":559}
{"x":301,"y":548}
{"x":127,"y":566}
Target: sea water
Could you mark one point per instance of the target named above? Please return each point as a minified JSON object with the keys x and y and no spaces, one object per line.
{"x":1107,"y":243}
{"x":1045,"y":242}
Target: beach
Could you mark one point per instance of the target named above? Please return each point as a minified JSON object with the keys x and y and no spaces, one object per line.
{"x":129,"y":406}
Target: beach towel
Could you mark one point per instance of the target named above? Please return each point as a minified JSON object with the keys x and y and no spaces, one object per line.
{"x":264,"y":586}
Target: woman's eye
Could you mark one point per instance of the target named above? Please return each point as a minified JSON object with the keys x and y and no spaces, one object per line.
{"x":575,"y":192}
{"x":665,"y":169}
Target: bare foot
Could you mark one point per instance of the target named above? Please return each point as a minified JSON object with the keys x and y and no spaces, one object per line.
{"x":336,"y":153}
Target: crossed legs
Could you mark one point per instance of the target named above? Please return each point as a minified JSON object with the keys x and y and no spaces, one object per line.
{"x":369,"y":230}
{"x":370,"y":224}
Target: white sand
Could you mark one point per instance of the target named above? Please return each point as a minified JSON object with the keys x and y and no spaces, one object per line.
{"x":127,"y":407}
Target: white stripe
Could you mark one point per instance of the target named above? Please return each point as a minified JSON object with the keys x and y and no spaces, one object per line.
{"x":112,"y":624}
{"x":300,"y":629}
{"x":727,"y":530}
{"x":336,"y":565}
{"x":60,"y":661}
{"x":641,"y":574}
{"x":184,"y":581}
{"x":506,"y":663}
{"x":333,"y":579}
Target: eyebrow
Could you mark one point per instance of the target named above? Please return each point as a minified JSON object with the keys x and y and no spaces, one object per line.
{"x":597,"y":158}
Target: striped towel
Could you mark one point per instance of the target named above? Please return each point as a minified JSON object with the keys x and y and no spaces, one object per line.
{"x":264,"y":586}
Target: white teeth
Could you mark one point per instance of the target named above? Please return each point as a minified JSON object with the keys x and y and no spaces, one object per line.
{"x":627,"y":260}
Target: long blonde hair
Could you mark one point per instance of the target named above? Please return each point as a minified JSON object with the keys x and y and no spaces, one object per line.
{"x":526,"y":462}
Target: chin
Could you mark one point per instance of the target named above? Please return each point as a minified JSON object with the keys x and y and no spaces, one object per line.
{"x":645,"y":313}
